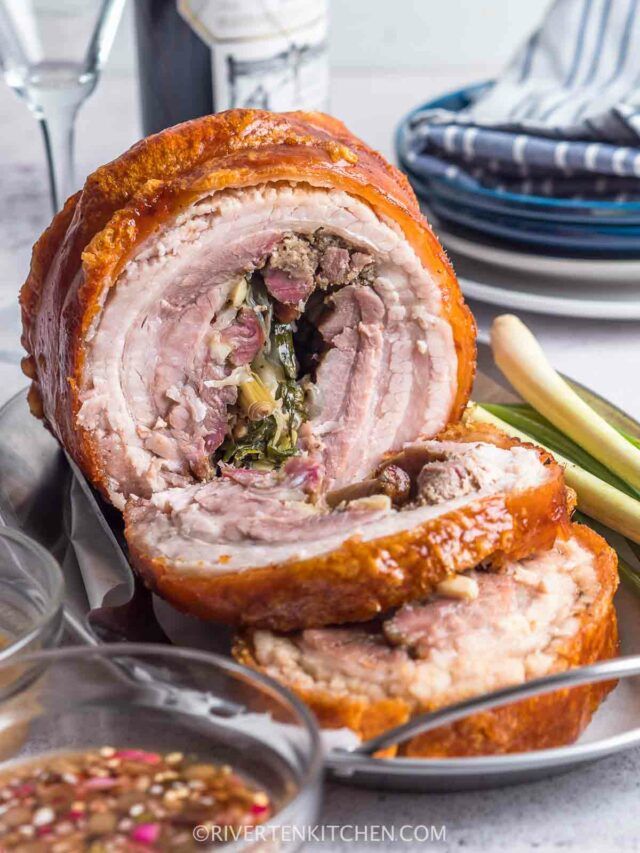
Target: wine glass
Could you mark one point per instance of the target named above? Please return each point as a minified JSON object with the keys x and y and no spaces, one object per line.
{"x":51,"y":54}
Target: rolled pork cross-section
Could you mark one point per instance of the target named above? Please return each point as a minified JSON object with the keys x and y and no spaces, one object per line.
{"x":229,"y":329}
{"x":481,"y":631}
{"x":237,"y":289}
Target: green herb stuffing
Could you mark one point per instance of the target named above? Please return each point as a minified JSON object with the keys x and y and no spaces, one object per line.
{"x":292,"y":396}
{"x":282,"y":349}
{"x":259,"y":445}
{"x":273,"y":439}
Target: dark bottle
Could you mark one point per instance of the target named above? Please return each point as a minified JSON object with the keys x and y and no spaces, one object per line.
{"x":174,"y":67}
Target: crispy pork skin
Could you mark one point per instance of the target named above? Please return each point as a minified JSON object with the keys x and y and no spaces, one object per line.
{"x":540,"y":615}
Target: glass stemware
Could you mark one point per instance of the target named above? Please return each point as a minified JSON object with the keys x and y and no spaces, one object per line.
{"x":51,"y":55}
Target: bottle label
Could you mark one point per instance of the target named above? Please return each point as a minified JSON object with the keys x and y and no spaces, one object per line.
{"x":269,"y":54}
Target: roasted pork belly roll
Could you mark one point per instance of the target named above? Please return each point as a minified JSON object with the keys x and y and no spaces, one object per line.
{"x":229,"y":329}
{"x":267,"y":548}
{"x":480,"y":632}
{"x":237,"y":289}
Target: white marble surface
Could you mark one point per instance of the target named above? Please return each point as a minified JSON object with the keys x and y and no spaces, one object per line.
{"x":594,"y":809}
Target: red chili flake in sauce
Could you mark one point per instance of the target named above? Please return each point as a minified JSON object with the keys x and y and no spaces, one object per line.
{"x":138,"y":755}
{"x":24,"y":790}
{"x":122,"y":801}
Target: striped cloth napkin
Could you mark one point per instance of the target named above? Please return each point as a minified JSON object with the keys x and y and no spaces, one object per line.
{"x":562,"y":120}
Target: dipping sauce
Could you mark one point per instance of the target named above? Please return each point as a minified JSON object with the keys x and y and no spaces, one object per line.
{"x":122,"y":800}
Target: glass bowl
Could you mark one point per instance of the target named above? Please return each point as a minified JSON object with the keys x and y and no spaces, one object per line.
{"x":31,"y":595}
{"x":165,"y":699}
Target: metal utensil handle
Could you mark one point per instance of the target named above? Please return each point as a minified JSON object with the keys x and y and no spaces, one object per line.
{"x":623,"y":667}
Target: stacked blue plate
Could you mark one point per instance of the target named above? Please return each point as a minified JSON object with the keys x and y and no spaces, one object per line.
{"x":557,"y":226}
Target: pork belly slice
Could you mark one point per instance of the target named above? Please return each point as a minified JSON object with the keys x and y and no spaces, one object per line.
{"x":540,"y":615}
{"x":264,"y":548}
